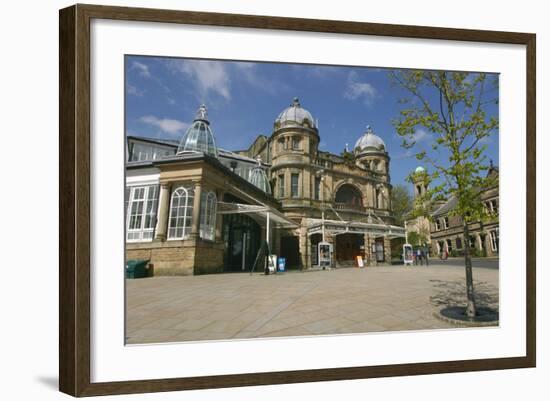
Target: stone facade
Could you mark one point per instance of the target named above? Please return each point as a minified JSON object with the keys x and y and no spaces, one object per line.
{"x":303,"y":186}
{"x":446,"y":230}
{"x":309,"y":182}
{"x":192,"y":255}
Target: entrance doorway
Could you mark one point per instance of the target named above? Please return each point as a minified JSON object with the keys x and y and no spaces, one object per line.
{"x":348,"y":247}
{"x":241,"y":235}
{"x":290,"y":250}
{"x":314,"y":241}
{"x":379,"y":250}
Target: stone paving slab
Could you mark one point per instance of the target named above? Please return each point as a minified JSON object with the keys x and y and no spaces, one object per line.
{"x":339,"y":301}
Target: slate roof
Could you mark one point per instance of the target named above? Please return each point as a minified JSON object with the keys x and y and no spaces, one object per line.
{"x":446,"y":207}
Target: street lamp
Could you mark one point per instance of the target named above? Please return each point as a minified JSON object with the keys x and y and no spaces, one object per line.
{"x":320,"y":173}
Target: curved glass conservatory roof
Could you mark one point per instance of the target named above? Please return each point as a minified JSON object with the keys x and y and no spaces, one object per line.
{"x":258,"y":177}
{"x":199,"y":136}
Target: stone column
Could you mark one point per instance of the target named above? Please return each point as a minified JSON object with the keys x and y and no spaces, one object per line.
{"x":303,"y":246}
{"x":306,"y":184}
{"x":164,"y":206}
{"x":368,"y":251}
{"x":387,"y":250}
{"x":195,"y":223}
{"x":219,"y":220}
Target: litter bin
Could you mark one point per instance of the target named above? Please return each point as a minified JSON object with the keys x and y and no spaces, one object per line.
{"x":136,"y":268}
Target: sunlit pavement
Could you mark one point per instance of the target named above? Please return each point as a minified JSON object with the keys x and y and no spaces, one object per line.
{"x":337,"y":301}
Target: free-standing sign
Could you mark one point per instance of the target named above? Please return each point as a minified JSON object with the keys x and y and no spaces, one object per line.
{"x":360,"y":262}
{"x":281,"y":264}
{"x":325,"y":254}
{"x":407,"y":254}
{"x":272,"y":263}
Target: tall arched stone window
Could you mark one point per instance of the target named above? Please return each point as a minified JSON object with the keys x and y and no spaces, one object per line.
{"x":181,"y":213}
{"x":208,"y":215}
{"x":350,"y":196}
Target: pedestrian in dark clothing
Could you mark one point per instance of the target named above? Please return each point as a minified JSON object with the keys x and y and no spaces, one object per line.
{"x":427,"y":256}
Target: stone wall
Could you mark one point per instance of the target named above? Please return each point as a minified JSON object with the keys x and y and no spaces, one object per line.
{"x":179,"y":258}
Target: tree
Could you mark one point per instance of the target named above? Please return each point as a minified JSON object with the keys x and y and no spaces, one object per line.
{"x":401,"y":201}
{"x":452,"y":106}
{"x":416,"y":238}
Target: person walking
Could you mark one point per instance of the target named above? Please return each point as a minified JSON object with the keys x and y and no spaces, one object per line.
{"x":419,"y":256}
{"x":427,"y":256}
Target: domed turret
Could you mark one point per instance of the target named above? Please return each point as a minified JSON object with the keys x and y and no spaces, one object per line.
{"x":295,"y":115}
{"x":369,"y":142}
{"x":199,"y":136}
{"x":258,"y":177}
{"x":419,"y":170}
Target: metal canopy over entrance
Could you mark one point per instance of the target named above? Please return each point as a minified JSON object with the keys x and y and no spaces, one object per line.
{"x":335,"y":227}
{"x":266,"y":216}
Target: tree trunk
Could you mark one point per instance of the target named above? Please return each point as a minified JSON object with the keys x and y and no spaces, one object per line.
{"x":471,"y":306}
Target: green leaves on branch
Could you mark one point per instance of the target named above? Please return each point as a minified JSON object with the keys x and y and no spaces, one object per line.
{"x":451,"y":106}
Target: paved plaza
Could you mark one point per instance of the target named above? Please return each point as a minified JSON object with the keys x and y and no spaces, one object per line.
{"x":346,"y":300}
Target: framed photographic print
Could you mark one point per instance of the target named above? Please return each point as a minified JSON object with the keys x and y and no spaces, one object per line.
{"x":250,"y":200}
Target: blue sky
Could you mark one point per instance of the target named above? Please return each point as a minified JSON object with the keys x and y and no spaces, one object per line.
{"x":245,"y":98}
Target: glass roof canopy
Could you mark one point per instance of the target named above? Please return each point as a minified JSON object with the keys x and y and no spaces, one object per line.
{"x":258,"y":177}
{"x":199,"y":136}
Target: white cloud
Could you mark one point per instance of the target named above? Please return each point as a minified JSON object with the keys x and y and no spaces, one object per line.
{"x":209,"y":76}
{"x":133,"y":90}
{"x":360,"y":90}
{"x":167,"y":125}
{"x":421,"y":135}
{"x":143,"y":69}
{"x":406,"y":155}
{"x":249,"y":73}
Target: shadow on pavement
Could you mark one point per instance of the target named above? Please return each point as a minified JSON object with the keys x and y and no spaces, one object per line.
{"x":453,"y":293}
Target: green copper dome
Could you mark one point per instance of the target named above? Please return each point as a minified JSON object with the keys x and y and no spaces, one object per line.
{"x":420,"y":169}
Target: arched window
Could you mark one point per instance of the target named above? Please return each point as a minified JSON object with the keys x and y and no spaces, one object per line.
{"x":208,"y":215}
{"x":350,"y":196}
{"x":181,"y":213}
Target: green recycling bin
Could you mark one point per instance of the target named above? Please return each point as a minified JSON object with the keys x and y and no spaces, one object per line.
{"x":136,"y":268}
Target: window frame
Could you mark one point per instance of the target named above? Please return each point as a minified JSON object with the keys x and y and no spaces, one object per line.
{"x":295,"y":143}
{"x":149,"y":209}
{"x":493,"y":236}
{"x":458,"y":241}
{"x":317,"y":188}
{"x":188,"y":214}
{"x":208,"y":212}
{"x":281,"y":186}
{"x":297,"y":186}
